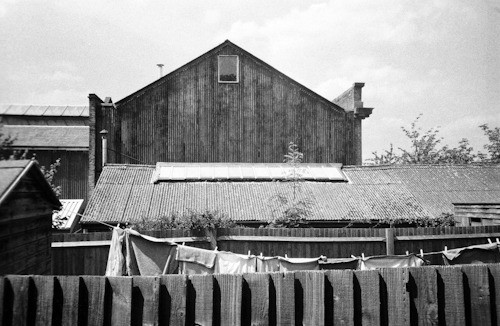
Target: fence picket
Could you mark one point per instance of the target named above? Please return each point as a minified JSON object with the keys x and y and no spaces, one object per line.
{"x":70,"y":288}
{"x":2,"y":294}
{"x":173,"y":299}
{"x":341,"y":282}
{"x":121,"y":302}
{"x":21,"y":314}
{"x":478,"y":285}
{"x":200,"y":300}
{"x":230,"y":298}
{"x":43,"y":286}
{"x":312,"y":284}
{"x":285,"y":298}
{"x":257,"y":300}
{"x":398,"y":308}
{"x":494,"y":277}
{"x":367,"y":304}
{"x":423,"y":295}
{"x":451,"y":299}
{"x":145,"y":300}
{"x":93,"y":297}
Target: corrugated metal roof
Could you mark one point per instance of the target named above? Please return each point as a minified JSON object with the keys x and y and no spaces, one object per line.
{"x":247,"y":171}
{"x":124,"y":194}
{"x":48,"y":136}
{"x":437,"y":187}
{"x":45,"y":110}
{"x":70,"y":209}
{"x":9,"y":171}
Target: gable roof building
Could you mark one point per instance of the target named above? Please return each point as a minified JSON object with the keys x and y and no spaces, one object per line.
{"x":226,"y":106}
{"x":52,"y":132}
{"x":359,"y":195}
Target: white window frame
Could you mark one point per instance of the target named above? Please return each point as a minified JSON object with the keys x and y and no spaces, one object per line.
{"x":237,"y":69}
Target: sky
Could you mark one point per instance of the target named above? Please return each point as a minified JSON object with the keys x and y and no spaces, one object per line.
{"x":437,"y":58}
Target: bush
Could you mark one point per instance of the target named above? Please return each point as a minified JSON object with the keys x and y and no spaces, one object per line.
{"x":188,"y":220}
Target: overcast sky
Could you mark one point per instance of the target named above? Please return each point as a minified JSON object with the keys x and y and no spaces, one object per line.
{"x":439,"y":58}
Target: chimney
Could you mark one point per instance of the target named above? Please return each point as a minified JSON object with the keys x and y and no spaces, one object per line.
{"x":160,"y":65}
{"x":104,"y":133}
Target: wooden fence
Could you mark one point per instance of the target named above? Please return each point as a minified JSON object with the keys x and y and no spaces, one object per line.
{"x":86,"y":254}
{"x":467,"y":295}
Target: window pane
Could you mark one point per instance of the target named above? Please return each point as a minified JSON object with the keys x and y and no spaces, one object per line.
{"x":228,"y":68}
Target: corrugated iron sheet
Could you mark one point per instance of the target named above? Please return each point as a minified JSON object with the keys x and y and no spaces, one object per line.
{"x":70,"y":209}
{"x":32,"y":136}
{"x":124,"y":194}
{"x":45,"y":110}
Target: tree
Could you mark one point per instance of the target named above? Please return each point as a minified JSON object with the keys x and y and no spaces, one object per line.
{"x":493,"y":147}
{"x":425,"y":148}
{"x":291,"y":211}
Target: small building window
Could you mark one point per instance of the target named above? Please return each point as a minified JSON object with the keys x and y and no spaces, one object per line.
{"x":228,"y":69}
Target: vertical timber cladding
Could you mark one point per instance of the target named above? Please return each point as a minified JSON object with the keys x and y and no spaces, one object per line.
{"x":189,"y":116}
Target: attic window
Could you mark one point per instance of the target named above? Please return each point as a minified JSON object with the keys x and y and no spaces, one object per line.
{"x":229,"y":69}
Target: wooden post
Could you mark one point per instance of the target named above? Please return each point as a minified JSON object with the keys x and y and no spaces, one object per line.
{"x":389,"y":241}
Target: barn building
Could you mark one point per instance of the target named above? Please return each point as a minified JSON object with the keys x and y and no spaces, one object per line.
{"x":226,"y":106}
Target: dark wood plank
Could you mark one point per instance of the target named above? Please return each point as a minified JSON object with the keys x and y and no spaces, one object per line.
{"x":20,"y":291}
{"x":494,"y":276}
{"x":285,"y":298}
{"x":367,"y":303}
{"x":451,"y":302}
{"x":145,"y":300}
{"x":230,"y":298}
{"x":313,"y":289}
{"x":342,"y":285}
{"x":257,"y":299}
{"x":395,"y":280}
{"x":93,"y":298}
{"x":2,"y":298}
{"x":121,"y":294}
{"x":70,"y":287}
{"x":478,"y":285}
{"x":201,"y":299}
{"x":423,"y":294}
{"x":173,"y":299}
{"x":44,"y":289}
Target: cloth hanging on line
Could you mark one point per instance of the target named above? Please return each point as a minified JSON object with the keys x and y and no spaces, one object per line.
{"x":340,"y":263}
{"x":116,"y":260}
{"x":376,"y":262}
{"x":299,"y":264}
{"x":267,"y":264}
{"x":479,"y":254}
{"x":195,"y":260}
{"x":132,"y":253}
{"x":231,"y":263}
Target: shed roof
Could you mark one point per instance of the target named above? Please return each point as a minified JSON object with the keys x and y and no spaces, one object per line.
{"x":69,"y":210}
{"x":45,"y":110}
{"x":12,"y":172}
{"x":61,"y":137}
{"x":125,"y":193}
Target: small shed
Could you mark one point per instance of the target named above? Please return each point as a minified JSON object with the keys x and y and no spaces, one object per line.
{"x":26,"y":205}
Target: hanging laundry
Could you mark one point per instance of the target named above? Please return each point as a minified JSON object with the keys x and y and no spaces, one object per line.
{"x":132,"y":253}
{"x":298,"y":264}
{"x":267,"y":264}
{"x":479,"y":254}
{"x":376,"y":262}
{"x":195,"y":260}
{"x":340,"y":263}
{"x":149,"y":256}
{"x":231,"y":263}
{"x":116,"y":260}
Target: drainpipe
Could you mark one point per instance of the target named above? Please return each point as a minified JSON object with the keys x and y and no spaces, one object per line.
{"x":104,"y":134}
